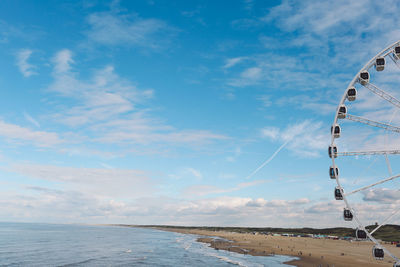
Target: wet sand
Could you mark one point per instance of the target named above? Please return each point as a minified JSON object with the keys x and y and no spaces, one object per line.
{"x":310,"y":251}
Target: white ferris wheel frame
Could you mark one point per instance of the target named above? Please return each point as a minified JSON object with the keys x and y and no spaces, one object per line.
{"x":333,"y":154}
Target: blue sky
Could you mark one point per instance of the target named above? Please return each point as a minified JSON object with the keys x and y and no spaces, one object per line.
{"x":157,"y":112}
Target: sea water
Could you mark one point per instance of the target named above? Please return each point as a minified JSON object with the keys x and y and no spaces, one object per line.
{"x":31,"y":244}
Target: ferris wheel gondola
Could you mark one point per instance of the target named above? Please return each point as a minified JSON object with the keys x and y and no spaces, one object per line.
{"x":332,"y":151}
{"x":342,"y":112}
{"x":347,"y":215}
{"x":335,"y":130}
{"x":351,"y":94}
{"x":361,"y":234}
{"x":396,"y":51}
{"x":338,"y":193}
{"x":378,"y":252}
{"x":333,"y":172}
{"x":364,"y":77}
{"x":380,"y":64}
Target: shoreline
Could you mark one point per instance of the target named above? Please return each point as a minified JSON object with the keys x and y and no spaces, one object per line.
{"x":309,"y":252}
{"x":228,"y":245}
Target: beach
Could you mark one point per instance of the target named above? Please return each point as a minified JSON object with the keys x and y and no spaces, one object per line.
{"x":310,"y":251}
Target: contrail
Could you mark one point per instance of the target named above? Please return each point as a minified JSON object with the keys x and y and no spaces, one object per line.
{"x":269,"y":159}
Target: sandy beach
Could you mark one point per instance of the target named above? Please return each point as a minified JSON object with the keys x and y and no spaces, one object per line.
{"x":310,"y":251}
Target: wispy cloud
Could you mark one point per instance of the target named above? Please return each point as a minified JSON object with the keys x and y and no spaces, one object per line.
{"x":322,"y":17}
{"x":270,"y":132}
{"x":249,"y":76}
{"x":203,"y":190}
{"x":310,"y":37}
{"x":31,"y":120}
{"x":324,"y":105}
{"x":100,"y":98}
{"x":114,"y":28}
{"x":62,"y":61}
{"x":116,"y":183}
{"x":305,"y":139}
{"x":382,"y":195}
{"x":266,"y":100}
{"x":110,"y":108}
{"x":23,"y":135}
{"x":10,"y":32}
{"x":26,"y":68}
{"x":236,"y":153}
{"x":279,"y":70}
{"x":194,"y":172}
{"x":232,"y":62}
{"x":234,"y":211}
{"x":330,"y":24}
{"x":187,"y":173}
{"x":75,"y":206}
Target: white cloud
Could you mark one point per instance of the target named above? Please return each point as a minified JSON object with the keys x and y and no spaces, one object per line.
{"x":382,"y":195}
{"x":270,"y":132}
{"x":31,"y":120}
{"x":283,"y":72}
{"x":194,"y":172}
{"x":62,"y":61}
{"x":248,"y":4}
{"x":203,"y":190}
{"x":251,"y":73}
{"x":306,"y":138}
{"x":20,"y":134}
{"x":105,"y":106}
{"x":319,"y":104}
{"x":66,"y":206}
{"x":236,"y":153}
{"x":187,"y":173}
{"x":75,"y":206}
{"x":152,"y":135}
{"x":318,"y":47}
{"x":367,"y":212}
{"x":100,"y":98}
{"x":266,"y":100}
{"x":78,"y":206}
{"x":334,"y":26}
{"x":111,"y":28}
{"x":9,"y":32}
{"x":249,"y":76}
{"x":115,"y":183}
{"x":320,"y":18}
{"x":239,"y":211}
{"x":233,"y":61}
{"x":331,"y":207}
{"x":26,"y":68}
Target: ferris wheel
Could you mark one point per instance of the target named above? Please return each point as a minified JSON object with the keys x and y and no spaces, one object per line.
{"x":377,"y":126}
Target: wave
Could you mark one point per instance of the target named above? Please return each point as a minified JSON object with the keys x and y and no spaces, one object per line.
{"x":204,"y":249}
{"x":228,"y":260}
{"x":76,"y":263}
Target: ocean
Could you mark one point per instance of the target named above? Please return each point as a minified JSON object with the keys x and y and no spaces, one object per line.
{"x":33,"y":244}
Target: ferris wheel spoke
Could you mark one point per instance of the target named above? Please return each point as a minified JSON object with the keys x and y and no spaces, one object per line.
{"x":385,"y":221}
{"x":379,"y":92}
{"x":366,"y":153}
{"x":385,"y":126}
{"x":372,"y":185}
{"x":388,"y":165}
{"x":395,"y":61}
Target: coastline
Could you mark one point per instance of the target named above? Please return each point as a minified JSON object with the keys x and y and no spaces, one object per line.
{"x":309,"y":252}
